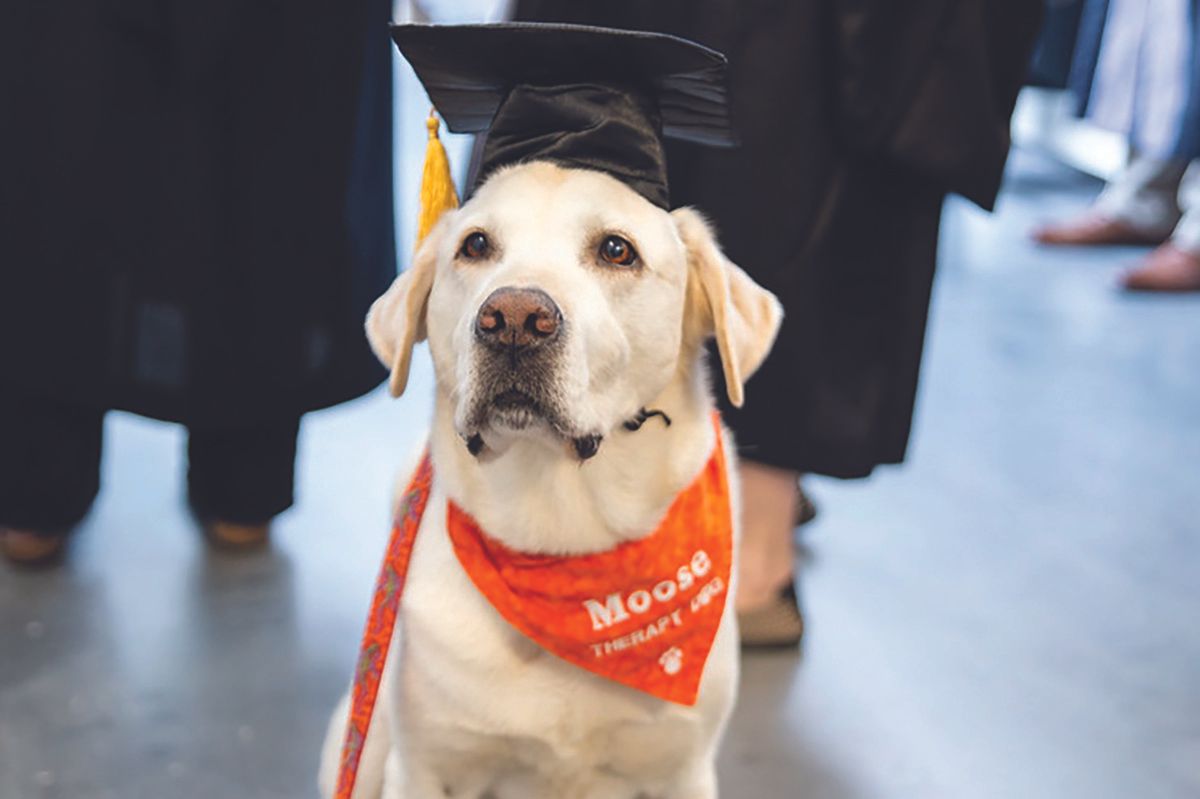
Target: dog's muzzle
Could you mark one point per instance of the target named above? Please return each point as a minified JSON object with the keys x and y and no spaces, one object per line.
{"x":520,"y":332}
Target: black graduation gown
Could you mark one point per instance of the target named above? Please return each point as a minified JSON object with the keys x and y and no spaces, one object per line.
{"x":196,"y":203}
{"x":856,"y":118}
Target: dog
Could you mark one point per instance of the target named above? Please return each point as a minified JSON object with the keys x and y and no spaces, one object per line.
{"x":559,"y":305}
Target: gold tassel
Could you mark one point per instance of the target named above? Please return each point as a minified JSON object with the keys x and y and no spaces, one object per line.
{"x":437,"y":185}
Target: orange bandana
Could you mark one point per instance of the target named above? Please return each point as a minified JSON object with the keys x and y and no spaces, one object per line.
{"x":644,"y":614}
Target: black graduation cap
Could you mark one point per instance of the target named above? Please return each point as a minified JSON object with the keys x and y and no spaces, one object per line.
{"x":594,"y":98}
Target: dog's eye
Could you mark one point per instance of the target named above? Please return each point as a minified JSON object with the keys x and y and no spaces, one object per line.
{"x":475,"y":246}
{"x":617,"y":251}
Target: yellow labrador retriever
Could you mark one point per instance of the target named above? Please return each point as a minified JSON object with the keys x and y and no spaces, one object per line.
{"x":610,"y":300}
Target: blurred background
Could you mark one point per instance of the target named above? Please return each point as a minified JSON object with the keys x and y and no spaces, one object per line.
{"x":1010,"y":612}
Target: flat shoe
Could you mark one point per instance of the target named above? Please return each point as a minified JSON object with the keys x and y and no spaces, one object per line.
{"x":1169,"y":269}
{"x":32,"y":550}
{"x":234,"y":537}
{"x":1095,"y":230}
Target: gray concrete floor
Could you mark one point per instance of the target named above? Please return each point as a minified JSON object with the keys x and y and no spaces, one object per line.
{"x":1013,"y":613}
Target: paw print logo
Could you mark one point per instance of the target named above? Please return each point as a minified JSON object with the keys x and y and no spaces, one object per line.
{"x":672,"y":661}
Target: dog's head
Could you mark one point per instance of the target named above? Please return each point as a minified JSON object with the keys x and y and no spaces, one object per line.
{"x":558,"y":302}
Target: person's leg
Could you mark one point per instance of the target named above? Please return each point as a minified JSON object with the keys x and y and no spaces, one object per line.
{"x":768,"y":523}
{"x":49,"y":473}
{"x":1137,"y":207}
{"x":766,"y":603}
{"x":241,"y":478}
{"x":1186,"y":235}
{"x":1144,"y":195}
{"x":1175,"y":266}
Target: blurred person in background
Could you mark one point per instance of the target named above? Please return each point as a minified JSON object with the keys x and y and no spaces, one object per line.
{"x":197,"y":214}
{"x":856,"y":119}
{"x":1136,"y":71}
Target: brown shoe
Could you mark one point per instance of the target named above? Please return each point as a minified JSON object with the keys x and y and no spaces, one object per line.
{"x":777,"y":625}
{"x":236,"y":537}
{"x":1167,"y":269}
{"x":1095,"y":230}
{"x":32,"y":550}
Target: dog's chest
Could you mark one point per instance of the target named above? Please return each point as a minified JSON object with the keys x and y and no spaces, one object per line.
{"x":467,"y":668}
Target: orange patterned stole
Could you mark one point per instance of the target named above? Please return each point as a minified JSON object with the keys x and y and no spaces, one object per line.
{"x":381,"y":623}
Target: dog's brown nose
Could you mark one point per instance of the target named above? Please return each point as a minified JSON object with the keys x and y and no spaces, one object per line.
{"x":518,"y":318}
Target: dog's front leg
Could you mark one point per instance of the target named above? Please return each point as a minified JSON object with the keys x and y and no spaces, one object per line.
{"x":605,"y":787}
{"x":410,"y":780}
{"x":699,"y":781}
{"x":393,"y":778}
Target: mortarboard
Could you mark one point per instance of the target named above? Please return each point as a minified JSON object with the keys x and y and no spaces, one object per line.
{"x":585,"y":97}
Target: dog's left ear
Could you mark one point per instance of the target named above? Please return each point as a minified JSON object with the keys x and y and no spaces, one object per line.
{"x":396,"y":321}
{"x":723,"y":301}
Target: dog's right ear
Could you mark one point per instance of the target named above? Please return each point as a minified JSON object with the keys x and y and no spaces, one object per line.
{"x":725,"y":303}
{"x":396,"y":321}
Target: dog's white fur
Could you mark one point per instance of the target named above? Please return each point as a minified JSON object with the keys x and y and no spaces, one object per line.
{"x":469,"y":706}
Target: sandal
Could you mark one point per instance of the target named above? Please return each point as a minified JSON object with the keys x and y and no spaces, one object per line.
{"x":777,"y":625}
